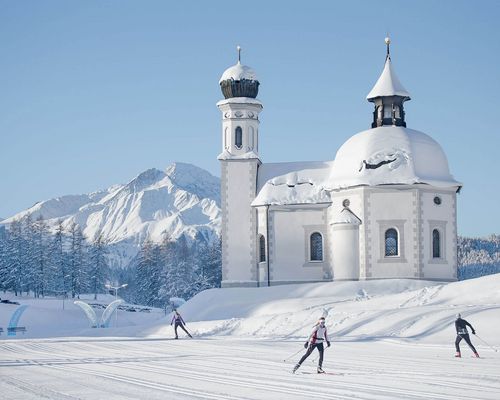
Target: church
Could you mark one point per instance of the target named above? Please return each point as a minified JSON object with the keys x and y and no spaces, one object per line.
{"x":385,"y":207}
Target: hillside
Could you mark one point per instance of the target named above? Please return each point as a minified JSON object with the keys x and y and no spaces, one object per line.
{"x":399,"y":309}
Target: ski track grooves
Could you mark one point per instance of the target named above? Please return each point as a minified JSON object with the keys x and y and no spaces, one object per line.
{"x":36,"y":389}
{"x":233,"y":369}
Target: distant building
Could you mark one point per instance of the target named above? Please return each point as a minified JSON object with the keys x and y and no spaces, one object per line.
{"x":384,"y":208}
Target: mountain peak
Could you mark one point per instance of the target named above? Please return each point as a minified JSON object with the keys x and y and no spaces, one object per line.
{"x":183,"y":200}
{"x":145,"y":179}
{"x":194,"y":179}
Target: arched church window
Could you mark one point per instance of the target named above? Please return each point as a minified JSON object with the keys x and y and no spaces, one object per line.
{"x":391,"y":243}
{"x":238,"y":137}
{"x":436,"y":244}
{"x":316,"y":247}
{"x":262,"y":248}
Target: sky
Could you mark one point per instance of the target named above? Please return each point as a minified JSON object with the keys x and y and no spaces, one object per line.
{"x":92,"y":92}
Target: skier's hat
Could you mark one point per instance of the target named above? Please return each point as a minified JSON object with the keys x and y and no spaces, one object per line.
{"x":459,"y":315}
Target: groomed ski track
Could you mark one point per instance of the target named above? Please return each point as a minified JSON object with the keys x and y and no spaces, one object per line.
{"x":237,"y":369}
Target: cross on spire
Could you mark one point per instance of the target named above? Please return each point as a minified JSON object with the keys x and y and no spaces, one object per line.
{"x":239,"y":54}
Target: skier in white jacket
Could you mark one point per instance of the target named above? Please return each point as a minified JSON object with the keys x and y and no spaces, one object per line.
{"x":316,"y":339}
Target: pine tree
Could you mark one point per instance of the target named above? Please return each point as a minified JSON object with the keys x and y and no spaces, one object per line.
{"x":59,"y":272}
{"x":98,"y":265}
{"x":14,"y":272}
{"x":3,"y":258}
{"x":76,"y":265}
{"x":148,"y":274}
{"x":40,"y":256}
{"x":28,"y":254}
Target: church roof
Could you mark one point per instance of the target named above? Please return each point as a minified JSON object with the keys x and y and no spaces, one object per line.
{"x":345,"y":217}
{"x":238,"y":72}
{"x":388,"y":84}
{"x":292,"y":183}
{"x":390,"y":155}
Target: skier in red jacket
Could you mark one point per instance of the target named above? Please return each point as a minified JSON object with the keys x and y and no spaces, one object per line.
{"x":315,"y":341}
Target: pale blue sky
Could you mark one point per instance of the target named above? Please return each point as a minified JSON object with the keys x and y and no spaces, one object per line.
{"x":94,"y":92}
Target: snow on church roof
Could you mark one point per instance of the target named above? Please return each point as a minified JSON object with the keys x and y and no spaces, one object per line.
{"x":388,"y":84}
{"x":387,"y":155}
{"x":346,"y":217}
{"x":390,"y":155}
{"x":238,"y":72}
{"x":292,"y":183}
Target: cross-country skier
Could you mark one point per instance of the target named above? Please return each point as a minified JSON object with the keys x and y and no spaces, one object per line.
{"x":462,"y":333}
{"x":179,"y":322}
{"x":315,"y":341}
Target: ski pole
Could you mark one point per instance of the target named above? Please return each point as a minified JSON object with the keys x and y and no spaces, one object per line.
{"x":487,"y":344}
{"x":294,"y":354}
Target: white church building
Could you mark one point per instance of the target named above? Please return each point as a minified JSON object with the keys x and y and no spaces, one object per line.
{"x":385,"y":207}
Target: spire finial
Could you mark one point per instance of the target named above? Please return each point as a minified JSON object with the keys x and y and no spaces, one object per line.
{"x":388,"y":43}
{"x":239,"y":53}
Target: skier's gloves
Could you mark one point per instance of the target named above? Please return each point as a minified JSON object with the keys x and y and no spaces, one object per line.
{"x":473,"y":332}
{"x":306,"y":344}
{"x":327,"y":343}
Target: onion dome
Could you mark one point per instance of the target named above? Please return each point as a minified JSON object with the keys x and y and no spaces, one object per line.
{"x":239,"y":81}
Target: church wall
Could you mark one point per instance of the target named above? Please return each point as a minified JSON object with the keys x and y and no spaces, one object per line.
{"x":398,"y":209}
{"x":239,"y":262}
{"x":262,"y":230}
{"x":443,"y":218}
{"x":290,"y":230}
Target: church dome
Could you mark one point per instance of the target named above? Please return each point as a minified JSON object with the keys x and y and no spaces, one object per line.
{"x":239,"y":81}
{"x":390,"y":155}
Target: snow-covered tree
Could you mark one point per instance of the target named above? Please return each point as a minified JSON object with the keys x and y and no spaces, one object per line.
{"x":76,"y":261}
{"x":58,"y":276}
{"x":14,"y":263}
{"x":3,"y":258}
{"x":98,"y":269}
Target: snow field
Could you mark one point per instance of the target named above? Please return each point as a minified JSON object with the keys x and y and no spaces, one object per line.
{"x":391,"y":339}
{"x":239,"y":369}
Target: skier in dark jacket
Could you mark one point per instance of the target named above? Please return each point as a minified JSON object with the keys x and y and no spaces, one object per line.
{"x":462,"y":333}
{"x":179,"y":322}
{"x":315,"y":341}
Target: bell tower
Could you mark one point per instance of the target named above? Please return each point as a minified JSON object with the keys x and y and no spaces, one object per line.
{"x":239,"y":165}
{"x":388,"y":95}
{"x":240,"y":112}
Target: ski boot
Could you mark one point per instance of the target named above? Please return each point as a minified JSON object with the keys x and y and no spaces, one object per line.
{"x":476,"y":355}
{"x":295,"y":368}
{"x":458,"y":355}
{"x":320,"y":370}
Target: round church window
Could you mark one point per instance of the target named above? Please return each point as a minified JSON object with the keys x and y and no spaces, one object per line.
{"x":437,"y":200}
{"x":346,"y":203}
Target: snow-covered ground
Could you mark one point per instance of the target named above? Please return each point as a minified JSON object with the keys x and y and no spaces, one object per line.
{"x":391,"y":340}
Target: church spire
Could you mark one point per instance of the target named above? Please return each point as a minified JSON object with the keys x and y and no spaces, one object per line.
{"x":388,"y":95}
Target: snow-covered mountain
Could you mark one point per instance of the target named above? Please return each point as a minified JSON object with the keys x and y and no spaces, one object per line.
{"x":182,"y":200}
